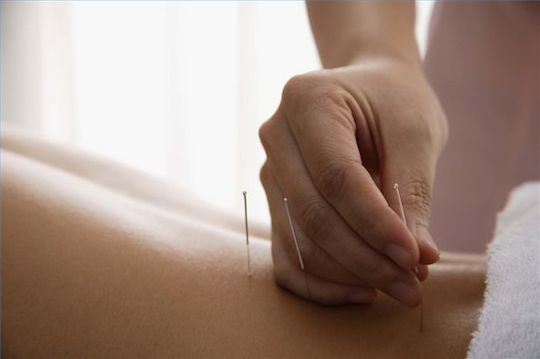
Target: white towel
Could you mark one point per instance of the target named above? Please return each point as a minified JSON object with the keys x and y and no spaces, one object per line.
{"x":509,"y":324}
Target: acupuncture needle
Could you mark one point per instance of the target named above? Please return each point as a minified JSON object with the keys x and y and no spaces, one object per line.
{"x":247,"y":233}
{"x":402,"y":212}
{"x":298,"y":253}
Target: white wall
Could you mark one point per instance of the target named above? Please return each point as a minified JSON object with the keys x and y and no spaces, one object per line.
{"x":177,"y":89}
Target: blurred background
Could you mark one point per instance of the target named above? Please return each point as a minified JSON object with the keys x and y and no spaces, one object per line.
{"x":175,"y":89}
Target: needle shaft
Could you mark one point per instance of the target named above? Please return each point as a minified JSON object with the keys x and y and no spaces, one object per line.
{"x":247,"y":233}
{"x":295,"y":240}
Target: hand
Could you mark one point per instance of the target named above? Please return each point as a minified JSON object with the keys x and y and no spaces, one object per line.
{"x":336,"y":145}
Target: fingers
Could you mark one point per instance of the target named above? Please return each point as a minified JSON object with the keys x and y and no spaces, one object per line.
{"x":321,"y":223}
{"x":302,"y":283}
{"x":422,"y":272}
{"x":316,"y":260}
{"x":325,"y":135}
{"x":413,"y":168}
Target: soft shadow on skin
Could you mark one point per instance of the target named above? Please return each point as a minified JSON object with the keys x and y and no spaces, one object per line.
{"x":452,"y":299}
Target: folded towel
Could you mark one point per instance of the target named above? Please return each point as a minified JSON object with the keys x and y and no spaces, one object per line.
{"x":509,"y":324}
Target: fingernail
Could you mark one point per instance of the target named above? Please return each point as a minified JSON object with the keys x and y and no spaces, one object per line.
{"x":400,"y":255}
{"x":404,"y":293}
{"x":361,"y":298}
{"x":424,"y":236}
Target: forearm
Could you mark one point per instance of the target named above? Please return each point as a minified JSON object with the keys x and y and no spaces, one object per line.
{"x":346,"y":32}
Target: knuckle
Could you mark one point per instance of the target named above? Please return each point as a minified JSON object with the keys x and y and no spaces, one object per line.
{"x":431,"y":132}
{"x":441,"y":131}
{"x":315,"y":92}
{"x":313,"y":89}
{"x":445,"y":132}
{"x":433,"y":127}
{"x":297,"y":89}
{"x":329,"y":99}
{"x":418,"y":196}
{"x":421,"y":127}
{"x":265,"y":174}
{"x":332,"y":179}
{"x":265,"y":135}
{"x":315,"y":221}
{"x":426,"y":132}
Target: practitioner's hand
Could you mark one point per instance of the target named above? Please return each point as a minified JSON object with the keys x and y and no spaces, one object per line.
{"x":336,"y":145}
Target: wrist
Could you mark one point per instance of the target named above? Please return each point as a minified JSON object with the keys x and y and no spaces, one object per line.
{"x":359,"y":48}
{"x":405,"y":57}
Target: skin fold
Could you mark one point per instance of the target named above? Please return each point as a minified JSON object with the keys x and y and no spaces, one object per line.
{"x":91,"y":270}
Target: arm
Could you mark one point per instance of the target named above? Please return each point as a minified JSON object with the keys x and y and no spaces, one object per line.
{"x":339,"y":141}
{"x":347,"y":31}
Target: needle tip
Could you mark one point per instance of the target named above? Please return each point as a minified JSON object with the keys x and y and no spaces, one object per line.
{"x":396,"y":186}
{"x":285,"y":199}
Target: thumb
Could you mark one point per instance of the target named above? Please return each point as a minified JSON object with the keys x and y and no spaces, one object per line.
{"x":409,"y":175}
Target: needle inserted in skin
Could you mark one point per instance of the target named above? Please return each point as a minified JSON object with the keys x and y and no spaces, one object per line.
{"x":398,"y":195}
{"x":247,"y":233}
{"x":396,"y":187}
{"x":298,"y":253}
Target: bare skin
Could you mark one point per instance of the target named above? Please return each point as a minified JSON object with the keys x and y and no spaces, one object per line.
{"x":89,"y":271}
